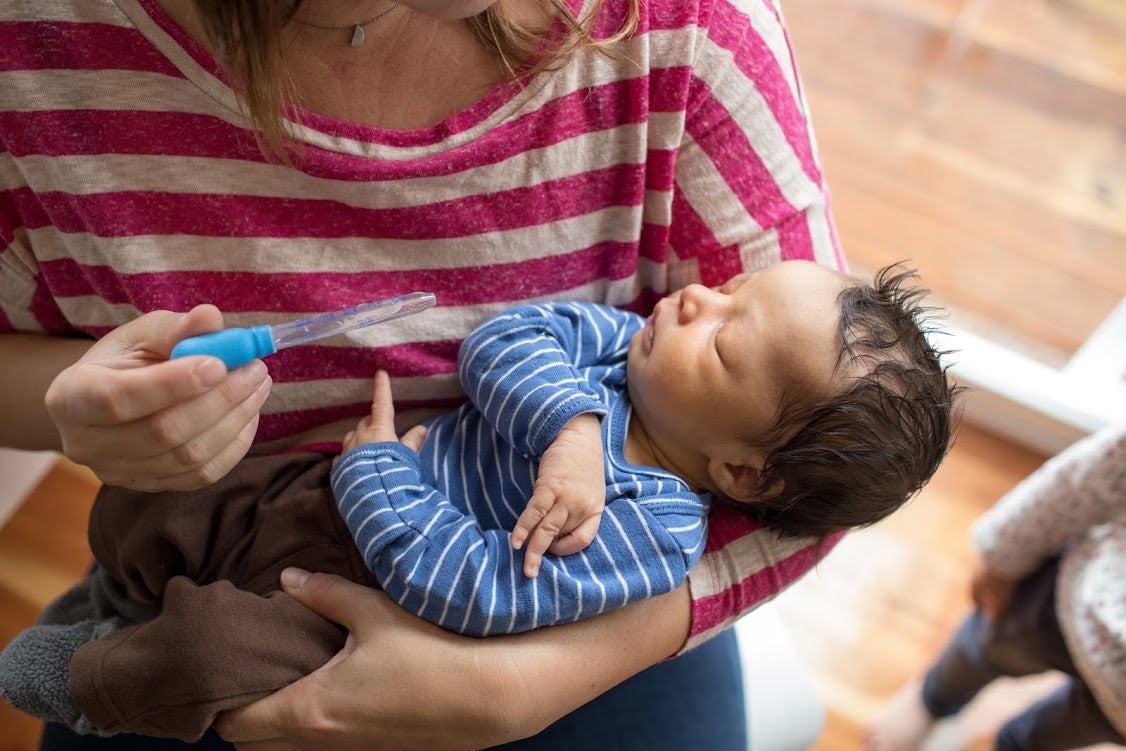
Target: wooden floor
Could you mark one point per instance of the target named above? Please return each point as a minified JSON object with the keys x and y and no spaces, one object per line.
{"x":882,"y":604}
{"x":984,"y":140}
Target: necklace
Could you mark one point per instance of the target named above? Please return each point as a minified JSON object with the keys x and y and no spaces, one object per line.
{"x":357,"y":28}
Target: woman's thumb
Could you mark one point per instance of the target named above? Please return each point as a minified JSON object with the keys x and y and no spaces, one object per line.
{"x":326,"y":595}
{"x":202,"y":319}
{"x":156,"y":333}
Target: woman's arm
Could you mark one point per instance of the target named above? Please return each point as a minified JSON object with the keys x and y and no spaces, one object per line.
{"x":402,"y":683}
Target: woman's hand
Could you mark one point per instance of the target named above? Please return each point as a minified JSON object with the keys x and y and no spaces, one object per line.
{"x":399,"y":683}
{"x":141,"y":421}
{"x":403,"y":683}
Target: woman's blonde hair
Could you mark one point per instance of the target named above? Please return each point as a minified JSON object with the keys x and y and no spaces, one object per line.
{"x":246,"y":36}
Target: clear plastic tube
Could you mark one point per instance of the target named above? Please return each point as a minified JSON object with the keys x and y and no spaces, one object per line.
{"x":337,"y":322}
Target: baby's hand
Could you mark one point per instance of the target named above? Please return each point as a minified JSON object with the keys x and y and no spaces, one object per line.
{"x":566,"y":506}
{"x":991,"y":591}
{"x":379,"y":426}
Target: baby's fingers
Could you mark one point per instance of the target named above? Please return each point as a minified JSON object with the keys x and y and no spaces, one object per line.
{"x":382,"y":407}
{"x":414,"y":438}
{"x":578,"y":538}
{"x":538,"y":505}
{"x":541,"y":538}
{"x":379,"y":426}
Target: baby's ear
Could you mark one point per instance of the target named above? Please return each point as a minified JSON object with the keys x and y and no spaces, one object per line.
{"x":740,"y":481}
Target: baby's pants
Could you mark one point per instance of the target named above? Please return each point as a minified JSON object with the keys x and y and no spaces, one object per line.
{"x":209,"y":560}
{"x":1025,"y":641}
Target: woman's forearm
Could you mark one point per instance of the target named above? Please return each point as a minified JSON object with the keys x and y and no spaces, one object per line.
{"x":403,"y":683}
{"x":31,"y":363}
{"x":564,"y":667}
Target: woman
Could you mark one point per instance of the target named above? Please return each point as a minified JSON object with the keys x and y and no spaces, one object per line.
{"x":491,"y":153}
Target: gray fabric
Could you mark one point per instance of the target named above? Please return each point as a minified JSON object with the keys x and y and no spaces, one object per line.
{"x":73,"y":606}
{"x":97,"y":597}
{"x":35,"y":668}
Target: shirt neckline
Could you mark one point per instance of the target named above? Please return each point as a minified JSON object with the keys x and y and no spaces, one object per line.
{"x":200,"y":67}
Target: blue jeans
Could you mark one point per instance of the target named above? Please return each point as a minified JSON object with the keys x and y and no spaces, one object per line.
{"x":694,"y":701}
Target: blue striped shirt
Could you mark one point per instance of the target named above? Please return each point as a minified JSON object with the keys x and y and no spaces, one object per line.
{"x":434,"y":527}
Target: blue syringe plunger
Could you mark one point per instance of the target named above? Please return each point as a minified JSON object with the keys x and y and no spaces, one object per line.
{"x":235,"y":347}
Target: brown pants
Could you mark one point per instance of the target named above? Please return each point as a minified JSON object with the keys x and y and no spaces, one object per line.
{"x":210,"y":560}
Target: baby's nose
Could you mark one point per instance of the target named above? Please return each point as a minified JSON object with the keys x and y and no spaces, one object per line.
{"x":693,"y":301}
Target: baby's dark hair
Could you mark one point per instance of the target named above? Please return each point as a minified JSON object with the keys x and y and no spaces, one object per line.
{"x":862,"y":453}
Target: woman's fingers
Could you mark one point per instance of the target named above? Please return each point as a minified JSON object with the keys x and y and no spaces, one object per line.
{"x":366,"y":696}
{"x":95,"y":394}
{"x":329,"y":596}
{"x":218,"y":465}
{"x":188,"y":417}
{"x":163,"y":452}
{"x":142,"y":421}
{"x":271,"y":722}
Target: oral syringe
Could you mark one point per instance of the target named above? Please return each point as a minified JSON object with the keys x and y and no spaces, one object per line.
{"x":239,"y":346}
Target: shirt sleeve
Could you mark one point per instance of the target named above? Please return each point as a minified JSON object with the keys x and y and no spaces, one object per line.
{"x":749,"y":192}
{"x":438,"y":563}
{"x":748,"y":185}
{"x":521,"y":368}
{"x":25,"y":302}
{"x":1082,"y":487}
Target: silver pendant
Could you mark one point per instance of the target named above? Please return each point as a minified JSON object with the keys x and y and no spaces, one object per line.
{"x":358,"y":36}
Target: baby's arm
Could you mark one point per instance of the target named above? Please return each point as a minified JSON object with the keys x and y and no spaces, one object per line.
{"x":438,"y":563}
{"x":528,"y":371}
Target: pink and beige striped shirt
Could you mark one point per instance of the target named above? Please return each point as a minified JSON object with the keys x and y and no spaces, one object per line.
{"x":130,"y":182}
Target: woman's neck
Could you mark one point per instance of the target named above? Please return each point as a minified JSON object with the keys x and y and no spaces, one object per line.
{"x":412,"y":71}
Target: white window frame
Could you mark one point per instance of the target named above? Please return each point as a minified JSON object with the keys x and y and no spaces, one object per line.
{"x":1033,"y":404}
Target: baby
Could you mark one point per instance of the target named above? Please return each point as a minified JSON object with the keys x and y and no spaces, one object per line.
{"x":810,"y":401}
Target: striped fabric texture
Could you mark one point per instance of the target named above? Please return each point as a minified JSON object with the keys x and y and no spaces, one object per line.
{"x":130,"y":182}
{"x":434,"y":527}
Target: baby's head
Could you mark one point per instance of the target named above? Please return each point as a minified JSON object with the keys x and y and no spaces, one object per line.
{"x":811,"y":400}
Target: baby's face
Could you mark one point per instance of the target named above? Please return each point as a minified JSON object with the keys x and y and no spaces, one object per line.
{"x":715,"y":364}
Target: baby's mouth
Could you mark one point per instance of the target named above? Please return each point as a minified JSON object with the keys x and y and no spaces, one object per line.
{"x":650,"y":330}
